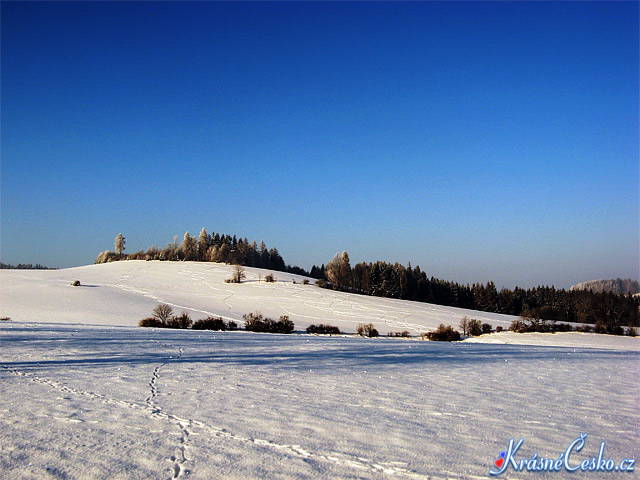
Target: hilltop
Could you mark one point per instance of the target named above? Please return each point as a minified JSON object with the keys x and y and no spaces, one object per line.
{"x":618,"y":286}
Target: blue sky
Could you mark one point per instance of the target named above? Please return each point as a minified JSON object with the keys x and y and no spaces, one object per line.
{"x":481,"y":141}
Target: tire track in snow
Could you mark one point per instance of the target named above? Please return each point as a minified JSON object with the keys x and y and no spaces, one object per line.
{"x":198,"y":278}
{"x":185,"y":425}
{"x":158,"y":299}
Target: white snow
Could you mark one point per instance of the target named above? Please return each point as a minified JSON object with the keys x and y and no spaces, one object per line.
{"x":84,"y":394}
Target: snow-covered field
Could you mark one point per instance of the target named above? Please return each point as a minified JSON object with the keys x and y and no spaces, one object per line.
{"x":86,"y":395}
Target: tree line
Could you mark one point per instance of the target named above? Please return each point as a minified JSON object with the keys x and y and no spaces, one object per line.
{"x":23,"y":266}
{"x":215,"y":247}
{"x":384,"y":279}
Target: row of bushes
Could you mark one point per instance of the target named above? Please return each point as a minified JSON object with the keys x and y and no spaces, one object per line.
{"x":533,"y":323}
{"x":521,"y":325}
{"x":214,"y":323}
{"x":403,"y":334}
{"x":473,"y":327}
{"x":163,"y":317}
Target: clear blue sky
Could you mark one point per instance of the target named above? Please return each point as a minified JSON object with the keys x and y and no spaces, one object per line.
{"x":481,"y":141}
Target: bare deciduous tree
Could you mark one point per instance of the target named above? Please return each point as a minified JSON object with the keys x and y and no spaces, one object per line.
{"x":163,"y":313}
{"x":238,"y":274}
{"x":464,"y":325}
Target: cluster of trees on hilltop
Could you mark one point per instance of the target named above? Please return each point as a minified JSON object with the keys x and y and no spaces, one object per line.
{"x":397,"y":281}
{"x":212,"y":248}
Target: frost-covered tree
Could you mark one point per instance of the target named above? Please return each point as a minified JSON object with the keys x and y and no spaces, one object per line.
{"x":119,"y":244}
{"x":212,"y":254}
{"x":188,"y":247}
{"x":223,"y":253}
{"x":203,"y":244}
{"x":339,"y":270}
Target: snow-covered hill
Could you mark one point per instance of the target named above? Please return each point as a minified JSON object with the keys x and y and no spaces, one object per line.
{"x":617,"y":286}
{"x":121,"y":293}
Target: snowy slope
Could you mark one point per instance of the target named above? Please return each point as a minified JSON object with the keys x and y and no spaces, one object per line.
{"x":96,"y":402}
{"x":121,"y":293}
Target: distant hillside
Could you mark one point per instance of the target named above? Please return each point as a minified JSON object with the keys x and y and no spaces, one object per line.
{"x":616,"y":286}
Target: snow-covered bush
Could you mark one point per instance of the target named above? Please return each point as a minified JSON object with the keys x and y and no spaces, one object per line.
{"x":106,"y":257}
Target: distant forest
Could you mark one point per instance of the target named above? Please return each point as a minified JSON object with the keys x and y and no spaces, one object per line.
{"x":23,"y":266}
{"x":384,"y":279}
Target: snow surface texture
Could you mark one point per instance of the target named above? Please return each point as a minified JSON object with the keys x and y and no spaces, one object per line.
{"x":84,"y":402}
{"x":122,"y":293}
